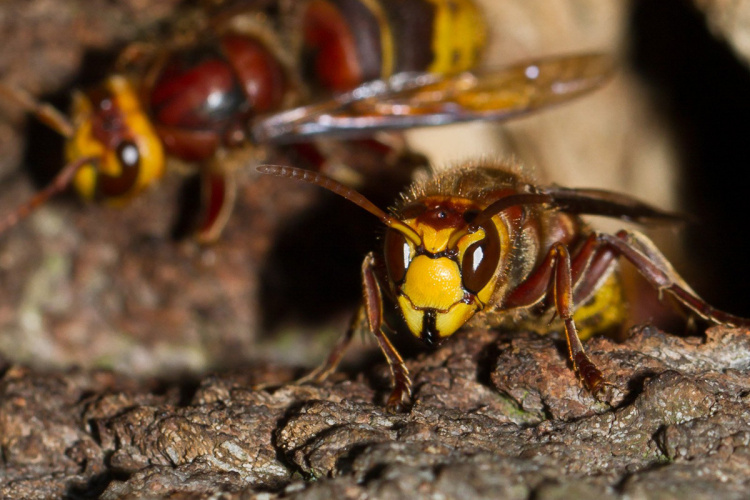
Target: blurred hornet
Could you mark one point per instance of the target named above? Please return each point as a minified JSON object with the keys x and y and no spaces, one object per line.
{"x":273,"y":79}
{"x":484,"y":244}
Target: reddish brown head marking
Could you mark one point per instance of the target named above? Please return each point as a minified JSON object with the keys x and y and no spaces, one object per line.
{"x":439,"y":213}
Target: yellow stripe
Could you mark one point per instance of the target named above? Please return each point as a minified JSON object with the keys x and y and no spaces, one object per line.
{"x":604,"y":311}
{"x":152,"y":161}
{"x":459,"y":35}
{"x":386,"y":37}
{"x":486,"y":293}
{"x":472,"y":35}
{"x":82,"y":144}
{"x":442,"y":45}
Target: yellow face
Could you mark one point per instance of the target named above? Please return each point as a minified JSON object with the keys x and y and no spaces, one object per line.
{"x":442,"y":282}
{"x":112,"y":128}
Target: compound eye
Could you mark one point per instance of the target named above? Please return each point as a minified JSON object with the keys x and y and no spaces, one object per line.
{"x":123,"y":184}
{"x":397,"y":255}
{"x":481,"y":259}
{"x":128,"y":154}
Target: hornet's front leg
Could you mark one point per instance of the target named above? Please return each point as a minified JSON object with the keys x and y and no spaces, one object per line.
{"x":558,"y":271}
{"x":373,"y":301}
{"x":322,"y":372}
{"x":218,"y":193}
{"x":371,"y":312}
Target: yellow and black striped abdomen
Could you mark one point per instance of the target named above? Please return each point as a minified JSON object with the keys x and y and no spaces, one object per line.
{"x":605,"y":311}
{"x":458,"y":35}
{"x":348,"y":42}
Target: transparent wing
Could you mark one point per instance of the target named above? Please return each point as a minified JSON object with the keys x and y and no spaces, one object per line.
{"x":419,"y":100}
{"x":609,"y":204}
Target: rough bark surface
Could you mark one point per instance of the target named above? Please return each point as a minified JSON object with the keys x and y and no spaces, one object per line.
{"x":494,"y":415}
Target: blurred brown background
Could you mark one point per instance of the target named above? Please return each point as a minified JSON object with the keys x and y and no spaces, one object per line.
{"x":96,"y":286}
